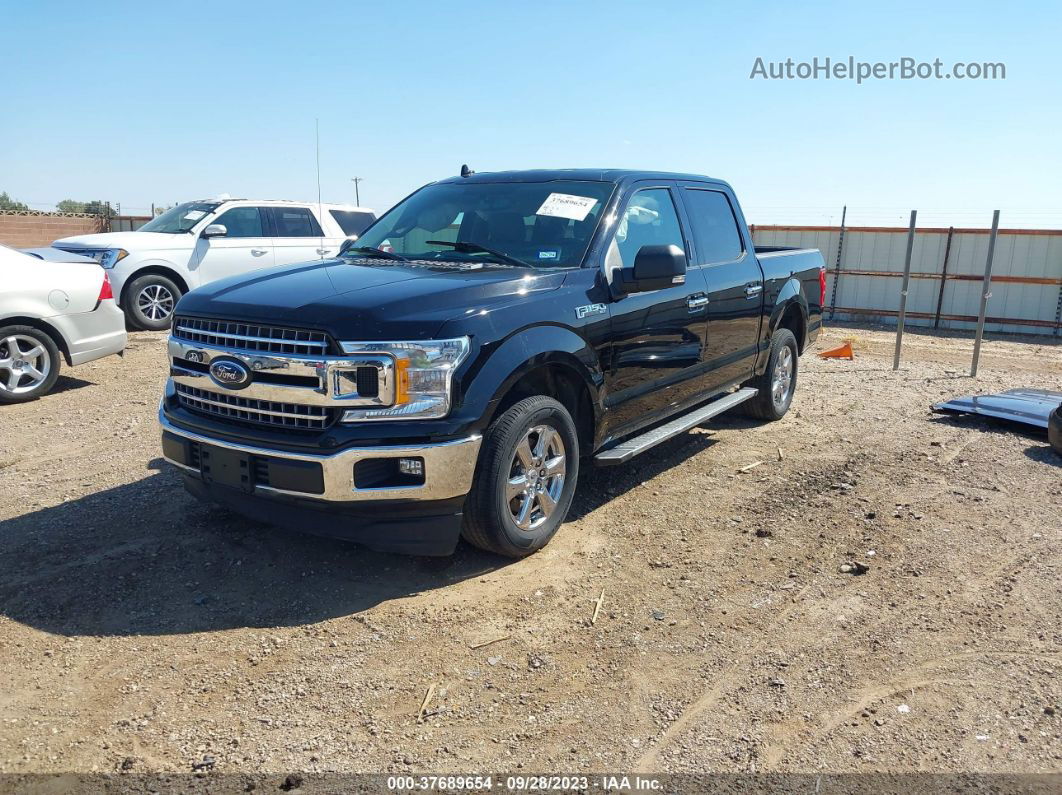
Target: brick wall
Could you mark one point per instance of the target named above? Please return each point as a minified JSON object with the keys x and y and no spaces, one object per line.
{"x":29,"y":231}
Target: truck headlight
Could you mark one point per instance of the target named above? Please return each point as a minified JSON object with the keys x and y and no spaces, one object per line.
{"x":110,"y":257}
{"x":423,"y":378}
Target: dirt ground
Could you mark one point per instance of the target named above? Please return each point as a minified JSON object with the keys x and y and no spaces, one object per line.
{"x":142,"y":631}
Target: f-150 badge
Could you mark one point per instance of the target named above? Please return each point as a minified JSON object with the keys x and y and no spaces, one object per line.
{"x":589,"y":309}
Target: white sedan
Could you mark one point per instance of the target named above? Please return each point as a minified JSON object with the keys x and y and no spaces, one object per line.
{"x":51,"y":310}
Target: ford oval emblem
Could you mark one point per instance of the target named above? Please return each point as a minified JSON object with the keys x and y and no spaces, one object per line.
{"x":230,"y":373}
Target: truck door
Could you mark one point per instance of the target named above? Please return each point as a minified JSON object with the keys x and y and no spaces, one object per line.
{"x":734,"y":284}
{"x":656,"y":337}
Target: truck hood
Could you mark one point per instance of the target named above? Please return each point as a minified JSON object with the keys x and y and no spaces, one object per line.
{"x":131,"y":241}
{"x":366,"y":299}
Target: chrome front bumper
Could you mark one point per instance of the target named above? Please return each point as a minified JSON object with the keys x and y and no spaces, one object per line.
{"x":448,"y":468}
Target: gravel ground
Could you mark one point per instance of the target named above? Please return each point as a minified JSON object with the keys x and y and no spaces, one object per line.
{"x":142,"y":631}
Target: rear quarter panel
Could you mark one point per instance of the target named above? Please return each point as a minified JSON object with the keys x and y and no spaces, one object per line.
{"x":792,"y":278}
{"x":44,"y":289}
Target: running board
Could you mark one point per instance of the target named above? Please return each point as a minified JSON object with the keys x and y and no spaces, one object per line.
{"x":627,"y":450}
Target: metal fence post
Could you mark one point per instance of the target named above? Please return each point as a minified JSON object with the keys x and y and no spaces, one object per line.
{"x":903,"y":290}
{"x":837,"y":264}
{"x":943,"y":277}
{"x":1058,"y":312}
{"x":986,"y":293}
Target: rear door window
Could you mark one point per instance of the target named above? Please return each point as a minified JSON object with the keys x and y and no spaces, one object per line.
{"x":714,"y":226}
{"x":352,"y":222}
{"x":295,"y":222}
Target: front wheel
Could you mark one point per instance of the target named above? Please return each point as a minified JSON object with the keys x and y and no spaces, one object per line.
{"x":29,"y":364}
{"x":149,"y":302}
{"x":778,"y":382}
{"x":525,"y":480}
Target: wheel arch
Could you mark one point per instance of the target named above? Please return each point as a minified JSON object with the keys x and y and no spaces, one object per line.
{"x":45,"y":328}
{"x":147,"y":270}
{"x":791,"y":311}
{"x":549,"y":360}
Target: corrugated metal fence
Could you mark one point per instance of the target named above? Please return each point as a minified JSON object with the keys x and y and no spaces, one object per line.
{"x":865,"y":270}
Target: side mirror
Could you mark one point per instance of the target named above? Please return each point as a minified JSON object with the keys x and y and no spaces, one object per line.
{"x":655,"y":268}
{"x":345,"y":246}
{"x":215,"y":230}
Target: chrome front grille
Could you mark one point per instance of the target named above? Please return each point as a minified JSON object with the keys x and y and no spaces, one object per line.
{"x":251,"y":410}
{"x":251,"y":336}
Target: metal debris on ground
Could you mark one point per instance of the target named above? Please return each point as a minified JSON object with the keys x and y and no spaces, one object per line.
{"x":1038,"y":408}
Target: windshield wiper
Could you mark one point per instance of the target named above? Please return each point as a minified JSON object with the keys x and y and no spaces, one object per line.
{"x":467,"y":247}
{"x":378,"y":252}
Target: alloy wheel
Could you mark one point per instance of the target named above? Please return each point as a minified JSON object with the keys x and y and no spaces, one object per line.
{"x":24,"y":364}
{"x":536,"y":477}
{"x":782,"y":377}
{"x":155,"y":302}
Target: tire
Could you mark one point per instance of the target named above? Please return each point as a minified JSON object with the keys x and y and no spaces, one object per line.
{"x":150,"y":301}
{"x":770,"y":404}
{"x":508,"y":509}
{"x":29,"y":363}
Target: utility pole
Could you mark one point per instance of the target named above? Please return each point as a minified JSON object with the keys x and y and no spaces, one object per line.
{"x":357,"y":197}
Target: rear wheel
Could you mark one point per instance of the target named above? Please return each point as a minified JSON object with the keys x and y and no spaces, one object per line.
{"x":778,"y":382}
{"x":29,"y":363}
{"x":526,"y":479}
{"x":150,"y":301}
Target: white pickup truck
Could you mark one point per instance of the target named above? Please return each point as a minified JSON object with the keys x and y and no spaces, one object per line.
{"x":200,"y":241}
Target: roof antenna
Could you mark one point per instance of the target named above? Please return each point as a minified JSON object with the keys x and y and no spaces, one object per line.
{"x":466,"y":171}
{"x":320,"y":209}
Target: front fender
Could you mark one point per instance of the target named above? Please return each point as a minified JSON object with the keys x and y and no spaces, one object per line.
{"x":499,"y":366}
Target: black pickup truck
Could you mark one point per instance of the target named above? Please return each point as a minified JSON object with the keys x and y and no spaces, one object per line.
{"x":453,"y":368}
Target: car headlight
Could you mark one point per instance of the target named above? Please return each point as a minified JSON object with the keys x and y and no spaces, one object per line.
{"x":423,"y":376}
{"x":110,"y":257}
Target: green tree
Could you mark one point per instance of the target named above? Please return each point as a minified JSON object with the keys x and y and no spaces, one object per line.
{"x":10,"y":205}
{"x":97,"y":207}
{"x":70,"y":206}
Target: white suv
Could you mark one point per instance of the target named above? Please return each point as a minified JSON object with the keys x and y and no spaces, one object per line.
{"x":200,"y":241}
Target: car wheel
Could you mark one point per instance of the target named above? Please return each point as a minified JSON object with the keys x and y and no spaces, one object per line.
{"x":29,"y":363}
{"x":526,"y":479}
{"x":150,"y":301}
{"x":778,"y":382}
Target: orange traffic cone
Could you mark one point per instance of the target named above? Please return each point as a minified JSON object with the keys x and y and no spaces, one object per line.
{"x":844,"y":352}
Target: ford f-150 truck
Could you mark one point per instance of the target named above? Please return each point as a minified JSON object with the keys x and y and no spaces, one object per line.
{"x":450,"y":371}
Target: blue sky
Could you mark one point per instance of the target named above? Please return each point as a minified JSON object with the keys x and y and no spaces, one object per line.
{"x":157,"y":102}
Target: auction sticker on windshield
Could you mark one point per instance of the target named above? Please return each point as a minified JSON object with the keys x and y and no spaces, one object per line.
{"x":565,"y":205}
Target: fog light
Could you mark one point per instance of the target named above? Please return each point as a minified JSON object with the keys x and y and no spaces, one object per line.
{"x":411,"y":466}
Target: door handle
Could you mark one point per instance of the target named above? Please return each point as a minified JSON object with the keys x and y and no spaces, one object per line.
{"x":323,"y":251}
{"x":752,"y":290}
{"x":695,"y":302}
{"x":259,"y":251}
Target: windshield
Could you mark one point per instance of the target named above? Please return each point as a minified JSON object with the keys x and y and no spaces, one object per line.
{"x":540,"y":224}
{"x":180,"y":218}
